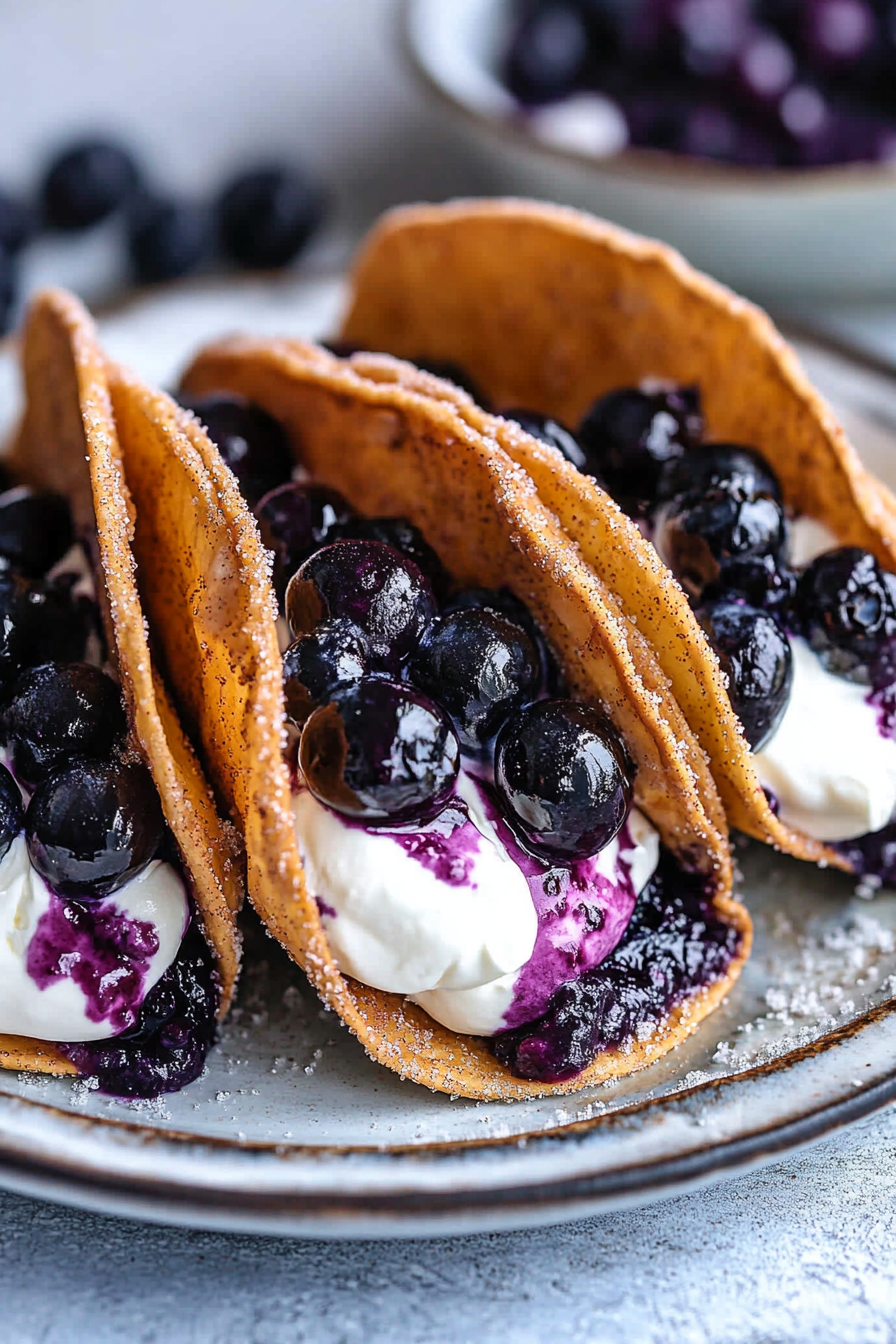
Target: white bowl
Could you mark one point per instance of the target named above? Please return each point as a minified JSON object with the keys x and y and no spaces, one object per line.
{"x":775,"y":233}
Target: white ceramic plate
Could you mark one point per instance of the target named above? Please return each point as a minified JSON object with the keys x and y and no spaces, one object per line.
{"x":292,"y":1129}
{"x":824,"y":231}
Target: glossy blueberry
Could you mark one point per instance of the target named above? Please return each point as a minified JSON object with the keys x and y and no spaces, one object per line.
{"x":371,"y":585}
{"x":335,"y":654}
{"x":54,"y":624}
{"x":548,"y":52}
{"x":86,"y":182}
{"x":380,"y":752}
{"x":630,"y":434}
{"x":252,"y":443}
{"x":92,"y":825}
{"x":481,"y":667}
{"x":755,"y":654}
{"x":17,"y":224}
{"x":846,"y":609}
{"x":168,"y":239}
{"x":742,"y":472}
{"x":267,"y":215}
{"x":295,"y":520}
{"x":12,"y":811}
{"x":551,"y":432}
{"x":403,"y":536}
{"x":699,"y":536}
{"x":564,"y":778}
{"x":58,"y":712}
{"x":507,"y":604}
{"x":35,"y":529}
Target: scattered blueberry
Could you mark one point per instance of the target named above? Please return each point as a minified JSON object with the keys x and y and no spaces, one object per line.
{"x":372,"y":585}
{"x":58,"y":712}
{"x":252,"y":443}
{"x":551,"y":432}
{"x":380,"y":752}
{"x":702,"y":536}
{"x":266,"y":217}
{"x":295,"y":520}
{"x":12,"y":811}
{"x":35,"y":529}
{"x":742,"y":472}
{"x":563,"y":777}
{"x":17,"y":224}
{"x":629,"y":435}
{"x":92,"y":825}
{"x":755,"y":654}
{"x":86,"y":183}
{"x":168,"y":239}
{"x":7,"y":289}
{"x":481,"y":667}
{"x":335,"y":654}
{"x":846,"y":609}
{"x":548,"y":52}
{"x":402,"y":536}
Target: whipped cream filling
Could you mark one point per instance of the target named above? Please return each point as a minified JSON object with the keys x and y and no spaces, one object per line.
{"x":455,"y":915}
{"x":79,"y":971}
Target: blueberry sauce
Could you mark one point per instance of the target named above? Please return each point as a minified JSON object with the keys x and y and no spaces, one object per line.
{"x":873,"y":854}
{"x":447,"y":848}
{"x":99,"y":947}
{"x":166,"y":1048}
{"x":676,"y":944}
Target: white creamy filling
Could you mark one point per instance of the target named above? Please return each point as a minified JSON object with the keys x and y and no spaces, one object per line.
{"x":808,"y":540}
{"x":480,"y":1011}
{"x":400,"y":927}
{"x":58,"y":1012}
{"x":832,"y":772}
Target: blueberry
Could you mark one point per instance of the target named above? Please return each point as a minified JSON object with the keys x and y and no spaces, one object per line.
{"x":402,"y":536}
{"x":58,"y":712}
{"x":335,"y":654}
{"x":755,"y":655}
{"x":628,"y":435}
{"x":838,"y":32}
{"x":266,"y":216}
{"x":505,"y":603}
{"x":373,"y":586}
{"x":846,"y":609}
{"x":252,"y":443}
{"x":380,"y":752}
{"x":564,"y":778}
{"x":168,"y":239}
{"x":35,"y":529}
{"x":481,"y":667}
{"x":92,"y":825}
{"x":551,"y":432}
{"x":295,"y":520}
{"x":7,"y":289}
{"x":700,"y":536}
{"x":548,"y":53}
{"x":17,"y":224}
{"x":52,"y":624}
{"x":742,"y":472}
{"x":12,"y":812}
{"x":86,"y":183}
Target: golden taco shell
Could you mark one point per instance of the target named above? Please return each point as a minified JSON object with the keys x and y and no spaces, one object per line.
{"x":68,"y":442}
{"x":363,"y":427}
{"x":549,"y":308}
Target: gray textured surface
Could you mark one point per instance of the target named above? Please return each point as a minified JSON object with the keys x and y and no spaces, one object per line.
{"x":804,"y":1250}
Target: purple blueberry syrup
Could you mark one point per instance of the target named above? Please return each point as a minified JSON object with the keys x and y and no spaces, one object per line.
{"x":105,"y":952}
{"x":676,"y":944}
{"x":175,"y":1028}
{"x":447,"y":848}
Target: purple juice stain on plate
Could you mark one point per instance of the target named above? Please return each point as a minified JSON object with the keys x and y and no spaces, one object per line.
{"x":105,"y":952}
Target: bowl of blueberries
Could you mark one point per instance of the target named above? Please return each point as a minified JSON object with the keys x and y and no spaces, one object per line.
{"x":757,"y":136}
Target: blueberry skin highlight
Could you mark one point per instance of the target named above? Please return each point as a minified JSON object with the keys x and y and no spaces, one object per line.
{"x":755,"y":654}
{"x":58,"y":712}
{"x":564,"y":778}
{"x":739,"y":470}
{"x":335,"y":654}
{"x":846,"y":609}
{"x":630,"y":434}
{"x":295,"y":520}
{"x":703,"y":536}
{"x":380,"y":752}
{"x":481,"y":668}
{"x":92,"y":825}
{"x":370,"y":584}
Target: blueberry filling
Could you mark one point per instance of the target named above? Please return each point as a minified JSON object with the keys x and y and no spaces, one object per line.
{"x":252,"y":443}
{"x":630,"y":435}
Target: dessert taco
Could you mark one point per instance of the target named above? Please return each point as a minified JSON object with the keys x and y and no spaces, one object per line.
{"x":119,"y":882}
{"x":502,"y":890}
{"x":690,"y":409}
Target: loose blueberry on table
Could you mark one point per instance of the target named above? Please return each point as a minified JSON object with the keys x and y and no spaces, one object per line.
{"x":453,"y":809}
{"x":82,"y":831}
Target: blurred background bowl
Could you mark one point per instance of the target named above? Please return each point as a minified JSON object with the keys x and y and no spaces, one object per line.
{"x":778,"y":234}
